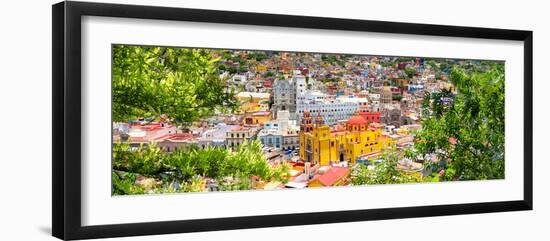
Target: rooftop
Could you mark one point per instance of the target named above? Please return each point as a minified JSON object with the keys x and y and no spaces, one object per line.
{"x":357,"y":120}
{"x":331,"y":176}
{"x":253,"y":95}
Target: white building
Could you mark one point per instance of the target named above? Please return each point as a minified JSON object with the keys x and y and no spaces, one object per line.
{"x":280,"y":133}
{"x":291,"y":140}
{"x":301,"y":85}
{"x":282,"y":122}
{"x":254,"y":96}
{"x":285,"y":93}
{"x":238,"y":135}
{"x":331,"y":109}
{"x":239,"y":79}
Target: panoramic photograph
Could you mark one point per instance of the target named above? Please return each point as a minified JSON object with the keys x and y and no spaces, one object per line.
{"x":210,"y":120}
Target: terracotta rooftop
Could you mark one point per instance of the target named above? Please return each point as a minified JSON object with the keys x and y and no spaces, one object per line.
{"x":331,"y":176}
{"x":175,"y":136}
{"x":357,"y":120}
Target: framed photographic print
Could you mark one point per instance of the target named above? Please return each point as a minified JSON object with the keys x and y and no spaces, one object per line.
{"x":170,"y":120}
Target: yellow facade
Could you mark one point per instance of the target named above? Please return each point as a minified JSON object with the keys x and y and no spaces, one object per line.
{"x":252,"y":97}
{"x":402,"y":131}
{"x":321,"y":145}
{"x":261,"y":67}
{"x":248,"y":107}
{"x":257,"y":118}
{"x":251,"y":107}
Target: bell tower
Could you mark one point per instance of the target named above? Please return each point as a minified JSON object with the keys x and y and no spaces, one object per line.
{"x":319,"y":121}
{"x":307,"y":123}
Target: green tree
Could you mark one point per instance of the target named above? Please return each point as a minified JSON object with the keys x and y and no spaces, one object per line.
{"x":232,"y":69}
{"x":433,"y":63}
{"x":385,"y":172}
{"x":180,"y":83}
{"x":123,"y":184}
{"x":187,"y":167}
{"x":147,"y":161}
{"x":466,"y":130}
{"x":222,"y":67}
{"x":397,"y":97}
{"x":410,"y":71}
{"x":243,"y":68}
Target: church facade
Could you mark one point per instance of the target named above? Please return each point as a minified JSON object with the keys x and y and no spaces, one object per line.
{"x":319,"y":144}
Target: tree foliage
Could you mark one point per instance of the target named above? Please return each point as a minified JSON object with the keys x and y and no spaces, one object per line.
{"x":188,"y":166}
{"x":181,"y":83}
{"x":385,"y":172}
{"x":410,"y":71}
{"x":465,"y":128}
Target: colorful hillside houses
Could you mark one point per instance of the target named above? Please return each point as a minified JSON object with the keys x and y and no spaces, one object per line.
{"x":167,"y":137}
{"x":323,"y":145}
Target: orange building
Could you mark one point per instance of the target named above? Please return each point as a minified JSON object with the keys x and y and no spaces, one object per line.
{"x":371,"y":117}
{"x":257,"y":118}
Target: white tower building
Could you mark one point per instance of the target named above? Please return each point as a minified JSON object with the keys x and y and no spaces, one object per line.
{"x":301,"y":84}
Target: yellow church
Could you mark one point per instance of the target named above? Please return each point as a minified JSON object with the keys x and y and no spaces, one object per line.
{"x":319,"y":144}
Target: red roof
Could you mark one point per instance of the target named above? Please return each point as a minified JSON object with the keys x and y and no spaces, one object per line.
{"x":357,"y":120}
{"x":267,"y":83}
{"x":261,"y":113}
{"x":332,"y":175}
{"x":175,"y":136}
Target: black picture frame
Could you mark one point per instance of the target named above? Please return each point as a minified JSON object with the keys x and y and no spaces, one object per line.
{"x":66,"y":127}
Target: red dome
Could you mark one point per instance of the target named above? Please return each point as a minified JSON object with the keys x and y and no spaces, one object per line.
{"x":357,"y":120}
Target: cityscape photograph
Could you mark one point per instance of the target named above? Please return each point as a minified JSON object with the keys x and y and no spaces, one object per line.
{"x":209,"y":120}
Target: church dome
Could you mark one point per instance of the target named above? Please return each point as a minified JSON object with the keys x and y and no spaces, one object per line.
{"x":357,"y":120}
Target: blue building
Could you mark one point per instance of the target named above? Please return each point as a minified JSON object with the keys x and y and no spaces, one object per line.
{"x":271,"y":138}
